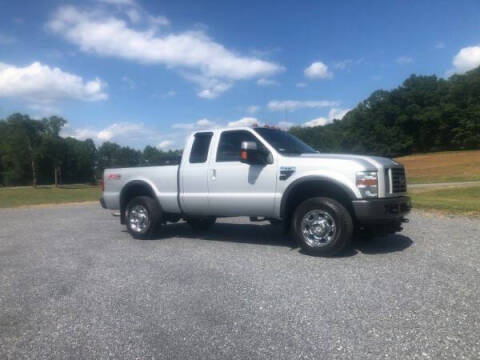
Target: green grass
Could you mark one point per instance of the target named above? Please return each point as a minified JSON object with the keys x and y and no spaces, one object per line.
{"x":455,"y":200}
{"x":27,"y":195}
{"x":447,"y":166}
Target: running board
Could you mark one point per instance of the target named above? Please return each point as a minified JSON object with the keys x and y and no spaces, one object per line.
{"x":257,"y":219}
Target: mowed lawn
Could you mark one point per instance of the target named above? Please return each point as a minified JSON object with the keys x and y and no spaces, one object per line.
{"x":452,"y":200}
{"x":451,"y":166}
{"x":27,"y":195}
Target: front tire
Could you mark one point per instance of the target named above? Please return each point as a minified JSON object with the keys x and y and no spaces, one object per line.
{"x":322,"y":226}
{"x":143,"y":215}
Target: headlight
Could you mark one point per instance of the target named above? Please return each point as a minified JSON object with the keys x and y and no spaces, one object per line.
{"x":367,"y":183}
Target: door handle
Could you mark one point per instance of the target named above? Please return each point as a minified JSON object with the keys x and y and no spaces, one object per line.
{"x":214,"y":174}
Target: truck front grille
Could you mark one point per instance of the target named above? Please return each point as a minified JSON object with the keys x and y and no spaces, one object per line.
{"x":398,"y":180}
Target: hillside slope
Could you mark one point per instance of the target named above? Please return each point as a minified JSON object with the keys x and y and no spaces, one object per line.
{"x":450,"y":166}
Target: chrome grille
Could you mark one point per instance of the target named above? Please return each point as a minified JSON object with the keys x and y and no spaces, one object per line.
{"x":398,"y":180}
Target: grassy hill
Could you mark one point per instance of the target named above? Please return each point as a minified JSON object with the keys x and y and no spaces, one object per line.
{"x":445,"y":167}
{"x":450,"y":166}
{"x":450,"y":200}
{"x":27,"y":195}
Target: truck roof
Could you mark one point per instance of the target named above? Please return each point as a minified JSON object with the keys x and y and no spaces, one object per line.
{"x":234,"y":128}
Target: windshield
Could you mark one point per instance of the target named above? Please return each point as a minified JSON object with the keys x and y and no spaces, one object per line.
{"x":284,"y":143}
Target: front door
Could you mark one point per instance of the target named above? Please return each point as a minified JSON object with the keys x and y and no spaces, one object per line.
{"x":236,"y":188}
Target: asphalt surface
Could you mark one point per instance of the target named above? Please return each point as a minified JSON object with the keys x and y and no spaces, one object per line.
{"x":73,"y":284}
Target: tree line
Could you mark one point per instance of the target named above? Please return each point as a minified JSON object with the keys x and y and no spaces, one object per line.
{"x":32,"y":152}
{"x":424,"y":114}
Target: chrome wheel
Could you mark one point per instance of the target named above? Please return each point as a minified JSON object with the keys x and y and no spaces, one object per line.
{"x":138,"y":218}
{"x":318,"y":228}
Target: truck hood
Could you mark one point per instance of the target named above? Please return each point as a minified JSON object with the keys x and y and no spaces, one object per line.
{"x":368,"y":162}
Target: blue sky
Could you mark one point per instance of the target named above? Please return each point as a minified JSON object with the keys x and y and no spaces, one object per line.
{"x":147,"y":72}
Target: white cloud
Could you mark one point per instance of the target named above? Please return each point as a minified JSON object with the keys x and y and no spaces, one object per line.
{"x":134,"y":15}
{"x":165,"y":145}
{"x":197,"y":125}
{"x":336,"y":113}
{"x":99,"y":32}
{"x":42,"y":85}
{"x":205,"y":123}
{"x":185,"y":126}
{"x":292,"y":105}
{"x":165,"y":95}
{"x":318,"y":70}
{"x":404,"y":60}
{"x":267,"y":82}
{"x":118,"y":2}
{"x":114,"y":132}
{"x":7,"y":39}
{"x":135,"y":12}
{"x":343,"y":64}
{"x":210,"y":88}
{"x":466,"y":59}
{"x":285,"y":125}
{"x":252,"y":109}
{"x":129,"y":82}
{"x":301,"y":85}
{"x":80,"y":134}
{"x":245,"y":121}
{"x":158,"y":20}
{"x":117,"y":130}
{"x":321,"y":121}
{"x":333,"y":114}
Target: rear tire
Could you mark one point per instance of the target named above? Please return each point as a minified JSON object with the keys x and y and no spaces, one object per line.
{"x":142,"y":216}
{"x":201,"y":224}
{"x":322,"y":226}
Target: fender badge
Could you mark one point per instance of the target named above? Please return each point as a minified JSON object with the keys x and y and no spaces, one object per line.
{"x":286,"y":172}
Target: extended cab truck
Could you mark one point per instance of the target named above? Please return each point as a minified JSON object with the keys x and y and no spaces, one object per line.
{"x":263,"y":173}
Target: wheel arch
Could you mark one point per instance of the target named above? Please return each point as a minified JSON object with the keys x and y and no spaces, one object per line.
{"x":132,"y":189}
{"x":313,"y":186}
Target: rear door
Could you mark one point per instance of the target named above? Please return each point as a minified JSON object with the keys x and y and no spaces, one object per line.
{"x":194,"y":173}
{"x":236,"y":188}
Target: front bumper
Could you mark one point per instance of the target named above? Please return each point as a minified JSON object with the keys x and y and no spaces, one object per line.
{"x":102,"y":202}
{"x":381,"y":210}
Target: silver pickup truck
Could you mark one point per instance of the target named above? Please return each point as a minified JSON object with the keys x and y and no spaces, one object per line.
{"x":266,"y":174}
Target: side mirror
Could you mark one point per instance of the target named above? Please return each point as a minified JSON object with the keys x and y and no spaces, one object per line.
{"x":249,"y":153}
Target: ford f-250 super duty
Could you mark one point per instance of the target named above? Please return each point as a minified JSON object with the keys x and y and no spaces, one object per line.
{"x":263,"y":173}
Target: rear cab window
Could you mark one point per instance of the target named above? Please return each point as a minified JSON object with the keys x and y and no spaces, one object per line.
{"x":200,"y":146}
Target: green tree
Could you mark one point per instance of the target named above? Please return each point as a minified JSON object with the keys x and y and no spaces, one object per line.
{"x":22,"y":146}
{"x":53,"y":146}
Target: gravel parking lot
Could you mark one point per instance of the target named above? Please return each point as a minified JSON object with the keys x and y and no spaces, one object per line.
{"x":73,"y":284}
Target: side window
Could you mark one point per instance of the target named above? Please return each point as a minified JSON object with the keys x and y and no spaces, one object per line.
{"x":230,"y":144}
{"x":199,"y":152}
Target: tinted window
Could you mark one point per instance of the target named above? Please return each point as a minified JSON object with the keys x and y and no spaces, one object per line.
{"x":230,"y":144}
{"x":200,"y":147}
{"x":284,"y":142}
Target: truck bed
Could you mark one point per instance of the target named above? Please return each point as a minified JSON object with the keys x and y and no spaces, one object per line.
{"x":163,"y":177}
